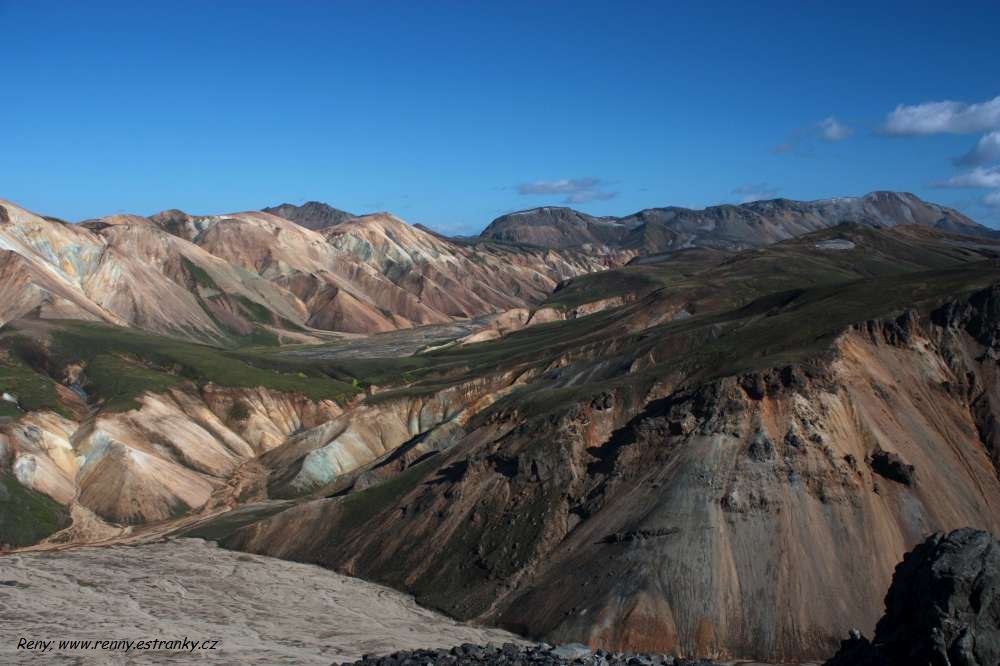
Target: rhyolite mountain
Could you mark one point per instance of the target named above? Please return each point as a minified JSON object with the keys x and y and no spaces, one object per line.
{"x":254,"y":275}
{"x":730,"y":227}
{"x":708,"y":452}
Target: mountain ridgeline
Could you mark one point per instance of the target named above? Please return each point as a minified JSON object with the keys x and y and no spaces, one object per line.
{"x":297,"y":273}
{"x":728,"y":227}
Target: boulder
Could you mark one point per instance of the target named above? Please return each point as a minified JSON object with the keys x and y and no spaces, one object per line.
{"x":892,"y":467}
{"x":942,"y":609}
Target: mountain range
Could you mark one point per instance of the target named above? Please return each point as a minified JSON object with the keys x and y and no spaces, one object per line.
{"x":316,"y":269}
{"x":673,"y":432}
{"x":233,"y":277}
{"x":729,"y":227}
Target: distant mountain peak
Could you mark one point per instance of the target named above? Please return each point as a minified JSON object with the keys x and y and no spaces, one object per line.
{"x":169,"y":214}
{"x":313,"y":215}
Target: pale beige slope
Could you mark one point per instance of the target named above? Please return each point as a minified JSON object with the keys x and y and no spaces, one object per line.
{"x":165,"y":458}
{"x":32,"y":287}
{"x":377,"y":273}
{"x":338,"y":292}
{"x":43,"y":265}
{"x":72,"y":251}
{"x":151,"y":253}
{"x":319,"y":456}
{"x":459,"y":280}
{"x":208,"y":277}
{"x":122,"y":270}
{"x":41,"y":455}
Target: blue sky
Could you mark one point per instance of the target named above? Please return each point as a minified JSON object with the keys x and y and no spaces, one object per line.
{"x":451,"y":113}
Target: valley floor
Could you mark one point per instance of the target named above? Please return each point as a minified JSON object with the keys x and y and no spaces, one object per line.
{"x":393,"y":344}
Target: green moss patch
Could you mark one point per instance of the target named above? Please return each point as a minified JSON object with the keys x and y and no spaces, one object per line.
{"x":200,"y":275}
{"x":27,"y":516}
{"x":122,"y":363}
{"x":33,"y":389}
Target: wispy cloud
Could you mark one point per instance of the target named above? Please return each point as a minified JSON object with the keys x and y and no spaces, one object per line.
{"x":576,"y":190}
{"x":977,"y":178}
{"x":755,"y":192}
{"x":829,"y":129}
{"x":950,"y":117}
{"x":832,"y":129}
{"x":946,"y":117}
{"x":987,"y":150}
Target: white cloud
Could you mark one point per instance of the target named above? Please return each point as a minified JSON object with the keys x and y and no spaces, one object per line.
{"x":950,"y":117}
{"x":577,"y":190}
{"x":987,"y":150}
{"x":978,"y":177}
{"x":832,"y":129}
{"x":943,"y":118}
{"x":755,"y":192}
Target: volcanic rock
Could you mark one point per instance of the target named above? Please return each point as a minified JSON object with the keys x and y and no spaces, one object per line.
{"x":891,"y":466}
{"x":510,"y":654}
{"x":943,"y":607}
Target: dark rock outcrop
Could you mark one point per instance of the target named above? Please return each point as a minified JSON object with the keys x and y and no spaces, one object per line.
{"x":979,"y":316}
{"x":892,"y":467}
{"x":509,"y":653}
{"x":942,"y":609}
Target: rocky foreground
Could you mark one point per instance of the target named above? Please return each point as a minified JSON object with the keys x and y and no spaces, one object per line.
{"x":521,"y":655}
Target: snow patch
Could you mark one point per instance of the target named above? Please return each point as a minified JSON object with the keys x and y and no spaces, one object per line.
{"x":835,"y":244}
